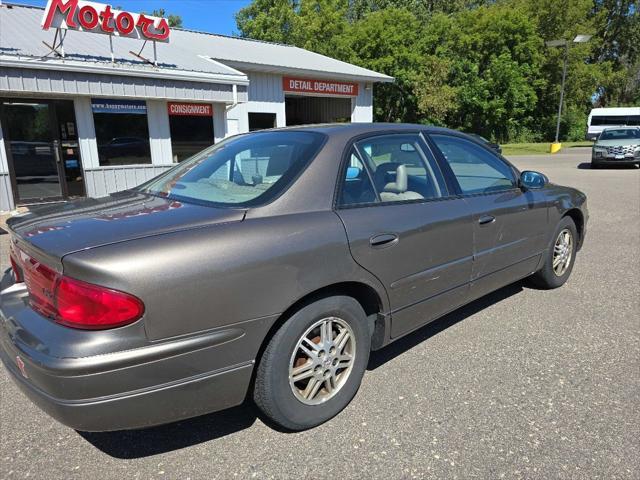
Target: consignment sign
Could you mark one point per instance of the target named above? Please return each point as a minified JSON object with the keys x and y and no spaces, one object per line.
{"x":189,"y":109}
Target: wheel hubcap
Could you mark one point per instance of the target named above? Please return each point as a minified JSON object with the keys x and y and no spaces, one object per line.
{"x":562,"y":252}
{"x":322,"y":361}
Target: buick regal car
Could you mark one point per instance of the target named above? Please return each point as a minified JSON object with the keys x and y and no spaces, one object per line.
{"x":268,"y":266}
{"x":616,"y":146}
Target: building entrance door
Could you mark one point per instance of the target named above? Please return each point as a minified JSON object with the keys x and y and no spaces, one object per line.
{"x":41,"y":141}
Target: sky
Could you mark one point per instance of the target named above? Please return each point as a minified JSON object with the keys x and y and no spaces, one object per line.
{"x":213,"y":16}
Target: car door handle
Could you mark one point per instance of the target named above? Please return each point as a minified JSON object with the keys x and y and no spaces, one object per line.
{"x":383,"y":240}
{"x":486,"y":219}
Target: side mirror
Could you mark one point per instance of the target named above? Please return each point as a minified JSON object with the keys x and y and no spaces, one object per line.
{"x":533,"y":180}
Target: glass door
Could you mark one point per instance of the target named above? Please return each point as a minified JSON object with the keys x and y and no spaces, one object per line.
{"x":42,"y":146}
{"x":69,"y":148}
{"x":32,"y":151}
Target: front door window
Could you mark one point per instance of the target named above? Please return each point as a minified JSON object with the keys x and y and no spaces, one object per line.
{"x":476,"y":169}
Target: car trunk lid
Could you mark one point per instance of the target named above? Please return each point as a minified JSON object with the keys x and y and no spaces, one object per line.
{"x":55,"y":231}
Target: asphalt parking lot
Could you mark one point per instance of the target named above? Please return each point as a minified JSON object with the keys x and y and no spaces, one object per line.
{"x":521,"y":384}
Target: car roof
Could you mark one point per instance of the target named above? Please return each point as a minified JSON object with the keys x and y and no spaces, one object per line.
{"x":615,"y":111}
{"x":355,"y":129}
{"x":622,"y":127}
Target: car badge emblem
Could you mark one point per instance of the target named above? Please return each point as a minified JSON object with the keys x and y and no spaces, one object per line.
{"x":20,"y":364}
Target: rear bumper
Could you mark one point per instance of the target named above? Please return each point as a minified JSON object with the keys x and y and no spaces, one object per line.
{"x":126,"y":385}
{"x":144,"y":408}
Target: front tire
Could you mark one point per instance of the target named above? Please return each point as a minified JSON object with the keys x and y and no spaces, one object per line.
{"x":561,"y":256}
{"x":314,"y":364}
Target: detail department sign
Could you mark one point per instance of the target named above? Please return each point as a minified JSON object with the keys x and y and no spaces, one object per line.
{"x":319,"y":87}
{"x":100,"y":18}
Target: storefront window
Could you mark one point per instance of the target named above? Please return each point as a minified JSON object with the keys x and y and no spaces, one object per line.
{"x":122,"y":132}
{"x":261,"y":121}
{"x":191,"y":126}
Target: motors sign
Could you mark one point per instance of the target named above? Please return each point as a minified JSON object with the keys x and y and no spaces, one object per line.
{"x":319,"y":87}
{"x":102,"y":18}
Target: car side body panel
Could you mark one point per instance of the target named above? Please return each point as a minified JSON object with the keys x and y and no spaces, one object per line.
{"x":211,"y":277}
{"x":429,"y":266}
{"x":509,"y":247}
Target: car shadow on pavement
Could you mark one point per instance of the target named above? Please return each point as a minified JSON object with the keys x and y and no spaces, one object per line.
{"x":130,"y":444}
{"x":380,"y":357}
{"x":587,"y":166}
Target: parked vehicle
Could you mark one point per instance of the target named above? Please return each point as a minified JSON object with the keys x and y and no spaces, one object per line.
{"x":124,"y":147}
{"x":601,"y":118}
{"x":488,"y":143}
{"x":615,"y":146}
{"x":270,"y":264}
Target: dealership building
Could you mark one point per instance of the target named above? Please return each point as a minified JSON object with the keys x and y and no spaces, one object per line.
{"x":93,"y":100}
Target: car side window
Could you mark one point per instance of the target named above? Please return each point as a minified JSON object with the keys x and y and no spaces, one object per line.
{"x":476,"y":169}
{"x":400,"y":169}
{"x":357,"y":188}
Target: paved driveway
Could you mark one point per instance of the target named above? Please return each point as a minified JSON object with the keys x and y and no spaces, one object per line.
{"x":523,"y":383}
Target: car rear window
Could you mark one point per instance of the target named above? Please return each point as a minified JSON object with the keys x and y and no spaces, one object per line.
{"x":241,"y":171}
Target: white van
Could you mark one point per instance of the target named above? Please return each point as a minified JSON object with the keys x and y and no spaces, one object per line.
{"x":601,"y":118}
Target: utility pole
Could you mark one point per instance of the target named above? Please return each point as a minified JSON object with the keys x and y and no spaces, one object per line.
{"x":564,"y":78}
{"x":556,"y":145}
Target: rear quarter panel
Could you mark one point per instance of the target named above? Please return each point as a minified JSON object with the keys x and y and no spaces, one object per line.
{"x":209,"y":277}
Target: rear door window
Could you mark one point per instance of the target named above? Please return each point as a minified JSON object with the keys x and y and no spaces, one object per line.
{"x":401,"y":169}
{"x":357,"y":188}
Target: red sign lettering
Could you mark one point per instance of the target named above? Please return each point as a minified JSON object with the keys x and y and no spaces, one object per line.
{"x":101,"y":18}
{"x":319,"y":87}
{"x":125,"y":28}
{"x":190,"y":109}
{"x":88,"y":17}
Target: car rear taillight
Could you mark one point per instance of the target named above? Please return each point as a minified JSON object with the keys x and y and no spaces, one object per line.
{"x":75,"y":303}
{"x":84,"y":305}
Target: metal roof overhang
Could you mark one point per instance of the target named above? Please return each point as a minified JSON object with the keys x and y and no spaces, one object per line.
{"x":118,"y":69}
{"x":258,"y":67}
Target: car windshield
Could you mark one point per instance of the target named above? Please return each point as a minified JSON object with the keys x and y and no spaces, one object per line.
{"x":241,"y":171}
{"x":620,"y":134}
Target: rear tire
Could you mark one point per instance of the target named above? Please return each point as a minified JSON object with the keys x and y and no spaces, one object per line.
{"x":560,"y":256}
{"x":305,"y":377}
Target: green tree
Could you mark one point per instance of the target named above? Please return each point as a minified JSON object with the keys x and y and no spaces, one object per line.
{"x":174,"y":20}
{"x":422,"y":9}
{"x":617,"y":24}
{"x":491,"y":57}
{"x":477,"y":65}
{"x":269,"y":20}
{"x":315,"y":25}
{"x":387,"y":41}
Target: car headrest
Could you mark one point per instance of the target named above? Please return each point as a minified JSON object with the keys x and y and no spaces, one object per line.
{"x":401,"y":183}
{"x":279,"y":162}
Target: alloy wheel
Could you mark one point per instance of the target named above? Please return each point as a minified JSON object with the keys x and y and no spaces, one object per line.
{"x":322,"y":361}
{"x":562,"y":252}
